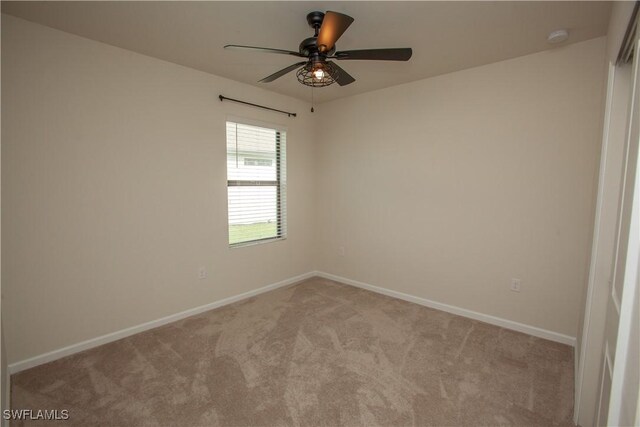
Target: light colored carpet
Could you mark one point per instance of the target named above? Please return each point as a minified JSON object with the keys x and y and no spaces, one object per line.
{"x":317,"y":353}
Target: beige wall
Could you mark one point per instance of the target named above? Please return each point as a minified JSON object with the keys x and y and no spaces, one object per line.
{"x":113,"y":167}
{"x":114,"y":189}
{"x":447,"y":188}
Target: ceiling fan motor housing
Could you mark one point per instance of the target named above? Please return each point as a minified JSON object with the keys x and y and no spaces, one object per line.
{"x":309,"y":47}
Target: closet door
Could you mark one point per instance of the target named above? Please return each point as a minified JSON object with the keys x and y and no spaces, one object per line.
{"x":618,"y":403}
{"x":623,"y":402}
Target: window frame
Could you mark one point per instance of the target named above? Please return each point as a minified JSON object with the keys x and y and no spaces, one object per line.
{"x":281,"y":232}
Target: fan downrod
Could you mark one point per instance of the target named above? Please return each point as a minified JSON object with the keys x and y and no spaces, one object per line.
{"x":315,"y":20}
{"x":309,"y":46}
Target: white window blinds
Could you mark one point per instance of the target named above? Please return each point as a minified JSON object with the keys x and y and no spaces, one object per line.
{"x":256,"y":183}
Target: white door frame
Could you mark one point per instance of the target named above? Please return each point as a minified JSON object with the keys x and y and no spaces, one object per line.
{"x":630,"y":293}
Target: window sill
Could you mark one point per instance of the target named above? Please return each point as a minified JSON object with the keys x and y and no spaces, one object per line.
{"x":257,"y":242}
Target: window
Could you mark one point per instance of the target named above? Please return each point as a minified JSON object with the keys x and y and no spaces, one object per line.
{"x":256,"y":183}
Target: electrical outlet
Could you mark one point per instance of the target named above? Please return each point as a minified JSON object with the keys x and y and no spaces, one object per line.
{"x":202,"y":273}
{"x":516,"y":284}
{"x":341,"y":251}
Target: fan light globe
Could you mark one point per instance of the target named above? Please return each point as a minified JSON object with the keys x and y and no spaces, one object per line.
{"x":316,"y":74}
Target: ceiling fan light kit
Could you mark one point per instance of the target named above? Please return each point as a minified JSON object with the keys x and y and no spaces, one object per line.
{"x":317,"y":75}
{"x":317,"y":70}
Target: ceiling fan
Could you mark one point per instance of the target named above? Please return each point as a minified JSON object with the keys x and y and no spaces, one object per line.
{"x":317,"y":70}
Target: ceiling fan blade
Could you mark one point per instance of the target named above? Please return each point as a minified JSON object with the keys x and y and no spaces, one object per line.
{"x":399,"y":54}
{"x":333,"y":26}
{"x":339,"y":75}
{"x":282,"y":72}
{"x":264,"y":50}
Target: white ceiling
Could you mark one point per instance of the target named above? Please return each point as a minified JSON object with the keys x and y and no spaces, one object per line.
{"x":445,"y":36}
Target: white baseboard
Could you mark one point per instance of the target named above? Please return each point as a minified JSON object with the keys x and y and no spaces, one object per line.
{"x":504,"y":323}
{"x":104,"y":339}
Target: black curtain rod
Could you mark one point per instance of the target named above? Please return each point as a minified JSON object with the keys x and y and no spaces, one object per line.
{"x":222,"y":98}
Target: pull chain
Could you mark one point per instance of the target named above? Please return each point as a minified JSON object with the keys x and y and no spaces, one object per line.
{"x":312,"y":99}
